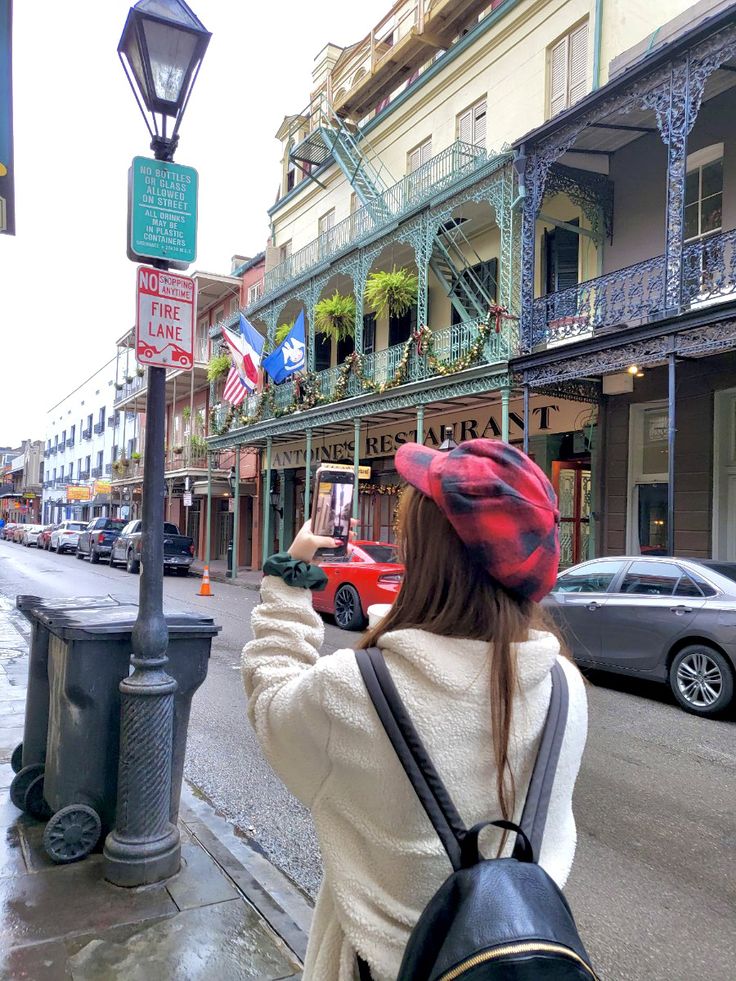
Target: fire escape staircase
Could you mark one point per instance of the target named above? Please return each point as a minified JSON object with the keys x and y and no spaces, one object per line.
{"x":330,"y":136}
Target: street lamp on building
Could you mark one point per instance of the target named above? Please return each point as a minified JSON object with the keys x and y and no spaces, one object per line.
{"x":448,"y":443}
{"x":161,"y":50}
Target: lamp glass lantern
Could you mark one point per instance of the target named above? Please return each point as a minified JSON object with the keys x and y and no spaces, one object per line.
{"x":161,"y":48}
{"x":448,"y":442}
{"x":231,"y":480}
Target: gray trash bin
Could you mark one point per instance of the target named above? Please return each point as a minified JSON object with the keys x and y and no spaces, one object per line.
{"x":29,"y":757}
{"x":89,"y":654}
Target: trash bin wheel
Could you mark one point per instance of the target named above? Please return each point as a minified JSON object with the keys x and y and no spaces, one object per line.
{"x":16,"y":760}
{"x":34,"y":802}
{"x":72,"y":833}
{"x":21,"y":781}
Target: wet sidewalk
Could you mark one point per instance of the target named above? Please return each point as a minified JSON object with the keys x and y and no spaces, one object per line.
{"x":228,"y":914}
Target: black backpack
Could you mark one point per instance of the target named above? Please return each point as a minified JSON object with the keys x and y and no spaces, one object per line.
{"x":504,"y":918}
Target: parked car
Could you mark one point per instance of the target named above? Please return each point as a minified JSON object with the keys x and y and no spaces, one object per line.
{"x":664,"y":619}
{"x":97,"y":538}
{"x":45,"y":537}
{"x":6,"y":532}
{"x":18,"y":533}
{"x":65,"y":536}
{"x":178,"y":549}
{"x":368,"y":574}
{"x":30,"y":535}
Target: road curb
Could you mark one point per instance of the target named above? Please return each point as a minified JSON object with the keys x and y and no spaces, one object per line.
{"x":218,"y":577}
{"x":286,"y":909}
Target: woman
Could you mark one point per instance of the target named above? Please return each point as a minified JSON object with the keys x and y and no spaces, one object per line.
{"x":468,"y":649}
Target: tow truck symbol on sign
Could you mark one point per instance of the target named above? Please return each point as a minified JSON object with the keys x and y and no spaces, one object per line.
{"x":178,"y":355}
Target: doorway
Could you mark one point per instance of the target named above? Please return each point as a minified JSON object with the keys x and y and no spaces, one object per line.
{"x":572,"y":484}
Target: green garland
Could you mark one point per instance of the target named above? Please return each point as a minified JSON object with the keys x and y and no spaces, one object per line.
{"x":306,"y":388}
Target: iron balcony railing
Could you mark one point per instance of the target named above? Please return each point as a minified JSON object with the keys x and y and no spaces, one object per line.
{"x":70,"y":442}
{"x":87,"y":433}
{"x":381,"y":366}
{"x":636,"y":294}
{"x":99,"y":427}
{"x":456,"y":162}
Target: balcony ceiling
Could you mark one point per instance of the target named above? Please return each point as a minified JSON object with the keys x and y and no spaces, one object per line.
{"x":605,"y":137}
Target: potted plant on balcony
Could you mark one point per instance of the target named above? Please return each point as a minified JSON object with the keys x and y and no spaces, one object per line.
{"x":129,"y":379}
{"x":135,"y":456}
{"x":139,"y":371}
{"x":395,"y":291}
{"x":334,"y":316}
{"x":198,"y":445}
{"x":118,"y":386}
{"x":177,"y":450}
{"x":218,"y":367}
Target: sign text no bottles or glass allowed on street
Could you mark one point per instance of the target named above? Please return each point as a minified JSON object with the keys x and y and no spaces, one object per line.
{"x":165,"y":316}
{"x":163,"y":211}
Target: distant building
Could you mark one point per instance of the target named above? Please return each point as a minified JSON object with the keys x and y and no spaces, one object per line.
{"x":20,"y":493}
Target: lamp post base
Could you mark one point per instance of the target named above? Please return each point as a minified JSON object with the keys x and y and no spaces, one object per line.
{"x":129,"y":862}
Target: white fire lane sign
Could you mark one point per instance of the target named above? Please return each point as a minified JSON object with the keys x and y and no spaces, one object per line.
{"x":165,"y":321}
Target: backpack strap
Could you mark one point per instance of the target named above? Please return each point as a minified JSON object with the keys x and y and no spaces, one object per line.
{"x":412,"y":755}
{"x":428,"y":784}
{"x":536,"y":806}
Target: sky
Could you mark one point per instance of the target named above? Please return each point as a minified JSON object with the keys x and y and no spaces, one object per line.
{"x":67,"y":288}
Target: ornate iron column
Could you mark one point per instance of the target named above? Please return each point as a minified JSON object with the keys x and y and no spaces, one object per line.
{"x":308,"y":476}
{"x":356,"y":466}
{"x":267,"y":503}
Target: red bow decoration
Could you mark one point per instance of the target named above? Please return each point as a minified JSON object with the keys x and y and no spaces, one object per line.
{"x":500,"y":313}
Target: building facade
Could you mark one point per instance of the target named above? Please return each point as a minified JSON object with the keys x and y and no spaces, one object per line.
{"x":81,"y":433}
{"x":644,"y":333}
{"x":20,"y":496}
{"x":399,"y":175}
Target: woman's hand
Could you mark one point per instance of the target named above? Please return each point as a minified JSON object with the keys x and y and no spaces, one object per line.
{"x":305,"y":545}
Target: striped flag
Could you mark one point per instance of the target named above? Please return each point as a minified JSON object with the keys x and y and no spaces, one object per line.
{"x":235,"y":391}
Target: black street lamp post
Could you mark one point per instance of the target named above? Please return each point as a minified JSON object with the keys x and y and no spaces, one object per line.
{"x":161,"y":49}
{"x":230,"y":572}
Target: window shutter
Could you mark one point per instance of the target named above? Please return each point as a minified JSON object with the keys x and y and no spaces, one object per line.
{"x":578,"y":63}
{"x":465,"y":127}
{"x":558,"y":78}
{"x":415,"y":158}
{"x":425,"y":152}
{"x":479,"y":125}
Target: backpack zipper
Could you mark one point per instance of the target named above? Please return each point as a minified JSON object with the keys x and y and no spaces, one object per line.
{"x":511,"y":949}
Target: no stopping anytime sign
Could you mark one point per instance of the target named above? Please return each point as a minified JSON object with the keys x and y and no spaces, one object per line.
{"x":165,"y":319}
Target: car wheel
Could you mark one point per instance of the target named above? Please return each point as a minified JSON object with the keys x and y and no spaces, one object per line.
{"x":348,"y":613}
{"x":132,"y":565}
{"x":79,"y":553}
{"x":94,"y":556}
{"x":701,"y":680}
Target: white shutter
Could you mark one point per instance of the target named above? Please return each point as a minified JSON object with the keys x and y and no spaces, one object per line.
{"x":425,"y":152}
{"x":578,"y":63}
{"x":479,"y":125}
{"x":558,"y":77}
{"x":465,"y":127}
{"x":415,"y":159}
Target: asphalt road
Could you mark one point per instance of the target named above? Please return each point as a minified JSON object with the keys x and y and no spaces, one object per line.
{"x":654,"y":882}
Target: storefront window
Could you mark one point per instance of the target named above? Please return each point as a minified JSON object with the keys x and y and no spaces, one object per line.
{"x":654,"y":442}
{"x":648,"y":476}
{"x":653,"y":519}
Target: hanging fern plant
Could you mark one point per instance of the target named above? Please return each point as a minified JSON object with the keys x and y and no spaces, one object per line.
{"x":335,"y":316}
{"x":281,"y":333}
{"x":395,"y":291}
{"x":218,"y":367}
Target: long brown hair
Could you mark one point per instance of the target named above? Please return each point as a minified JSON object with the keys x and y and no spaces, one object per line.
{"x":446,"y":593}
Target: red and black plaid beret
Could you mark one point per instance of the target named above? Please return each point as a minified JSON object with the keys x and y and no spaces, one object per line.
{"x":501,"y":505}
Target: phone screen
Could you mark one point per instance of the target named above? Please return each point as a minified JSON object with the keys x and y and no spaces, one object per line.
{"x":332,"y":508}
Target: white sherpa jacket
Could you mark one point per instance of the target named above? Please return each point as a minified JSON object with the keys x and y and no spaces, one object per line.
{"x":320,"y":732}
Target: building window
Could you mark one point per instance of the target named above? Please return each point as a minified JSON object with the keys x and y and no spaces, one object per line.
{"x":648,"y":477}
{"x":255,"y":292}
{"x":354,"y":203}
{"x":471,"y":125}
{"x":72,"y":433}
{"x":704,"y":192}
{"x":63,"y":437}
{"x":71,"y":471}
{"x":87,"y":464}
{"x":326,"y":222}
{"x":369,"y":333}
{"x":61,"y":472}
{"x":567,"y":69}
{"x":418,"y":156}
{"x":285,"y":251}
{"x":100,"y":459}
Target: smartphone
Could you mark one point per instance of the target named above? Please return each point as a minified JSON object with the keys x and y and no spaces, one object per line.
{"x":332,"y":508}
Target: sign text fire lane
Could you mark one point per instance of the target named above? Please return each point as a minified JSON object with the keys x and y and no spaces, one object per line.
{"x":165,"y":319}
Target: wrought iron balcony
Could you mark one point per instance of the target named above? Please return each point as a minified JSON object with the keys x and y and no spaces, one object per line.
{"x":52,"y":450}
{"x":99,"y":427}
{"x":635,"y":295}
{"x":381,"y":367}
{"x":453,"y":164}
{"x":108,"y":468}
{"x":70,"y":442}
{"x":87,"y":433}
{"x":83,"y":475}
{"x":96,"y":472}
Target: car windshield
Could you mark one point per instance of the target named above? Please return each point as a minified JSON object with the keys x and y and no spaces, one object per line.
{"x":380,"y":553}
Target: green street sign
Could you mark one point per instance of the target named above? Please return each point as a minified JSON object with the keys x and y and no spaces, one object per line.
{"x":162,"y":211}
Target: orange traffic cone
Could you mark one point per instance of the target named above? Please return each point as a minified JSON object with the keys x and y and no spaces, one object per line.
{"x":204,"y":589}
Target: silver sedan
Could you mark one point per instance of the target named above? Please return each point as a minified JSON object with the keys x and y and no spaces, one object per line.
{"x":663,"y":619}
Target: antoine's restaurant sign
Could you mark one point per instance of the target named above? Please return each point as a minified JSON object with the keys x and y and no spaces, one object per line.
{"x":547,"y":417}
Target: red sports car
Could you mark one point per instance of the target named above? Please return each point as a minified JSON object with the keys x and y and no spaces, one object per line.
{"x":368,"y":574}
